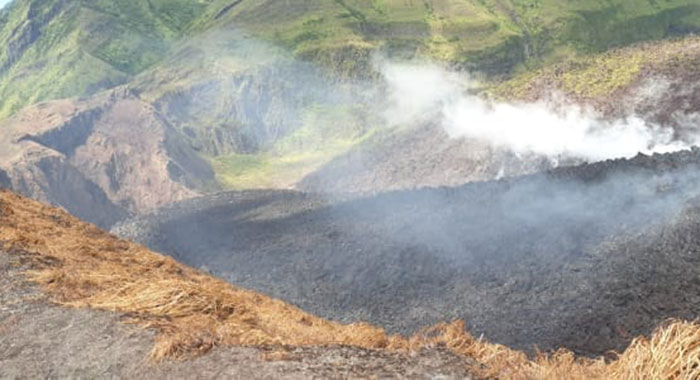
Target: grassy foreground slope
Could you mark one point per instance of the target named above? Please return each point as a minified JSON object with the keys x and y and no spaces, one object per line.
{"x":78,"y":265}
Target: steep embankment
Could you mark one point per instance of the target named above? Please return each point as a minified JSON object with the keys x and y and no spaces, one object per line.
{"x":100,"y":158}
{"x":586,"y":257}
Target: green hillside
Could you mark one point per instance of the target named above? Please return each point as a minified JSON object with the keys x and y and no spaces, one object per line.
{"x":490,"y":35}
{"x":193,"y":61}
{"x":60,"y":48}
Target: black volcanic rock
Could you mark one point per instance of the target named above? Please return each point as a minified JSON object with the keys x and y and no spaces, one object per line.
{"x":584,"y":257}
{"x":4,"y":180}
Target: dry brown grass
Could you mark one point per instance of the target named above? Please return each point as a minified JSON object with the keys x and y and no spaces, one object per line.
{"x":79,"y":265}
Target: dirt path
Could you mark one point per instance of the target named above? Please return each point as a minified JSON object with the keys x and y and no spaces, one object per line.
{"x":41,"y":340}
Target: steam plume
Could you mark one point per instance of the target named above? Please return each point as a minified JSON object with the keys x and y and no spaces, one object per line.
{"x":429,"y":92}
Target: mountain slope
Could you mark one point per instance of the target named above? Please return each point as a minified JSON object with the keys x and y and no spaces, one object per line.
{"x":81,"y":267}
{"x":87,"y":156}
{"x":493,"y":36}
{"x":275,"y":94}
{"x":43,"y":337}
{"x":62,"y":48}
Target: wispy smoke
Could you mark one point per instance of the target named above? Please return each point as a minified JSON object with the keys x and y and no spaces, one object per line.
{"x":425,"y":92}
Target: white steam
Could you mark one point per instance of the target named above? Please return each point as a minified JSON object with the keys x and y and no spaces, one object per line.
{"x":428,"y":92}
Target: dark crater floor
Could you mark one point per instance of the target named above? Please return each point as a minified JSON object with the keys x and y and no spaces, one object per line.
{"x":583,"y":257}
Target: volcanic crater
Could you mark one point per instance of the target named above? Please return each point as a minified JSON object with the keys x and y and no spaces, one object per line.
{"x":584,"y":257}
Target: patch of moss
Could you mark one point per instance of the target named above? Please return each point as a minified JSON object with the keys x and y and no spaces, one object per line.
{"x":601,"y":75}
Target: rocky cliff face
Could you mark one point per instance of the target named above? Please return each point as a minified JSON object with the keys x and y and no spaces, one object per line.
{"x":100,"y":158}
{"x":49,"y":177}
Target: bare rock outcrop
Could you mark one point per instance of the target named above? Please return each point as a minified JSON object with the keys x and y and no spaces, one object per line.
{"x":101,"y":158}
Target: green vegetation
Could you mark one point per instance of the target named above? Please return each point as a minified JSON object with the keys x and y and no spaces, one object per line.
{"x":327,"y":133}
{"x":492,"y":36}
{"x":602,"y":75}
{"x":55,"y":49}
{"x":341,"y":30}
{"x":165,"y":48}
